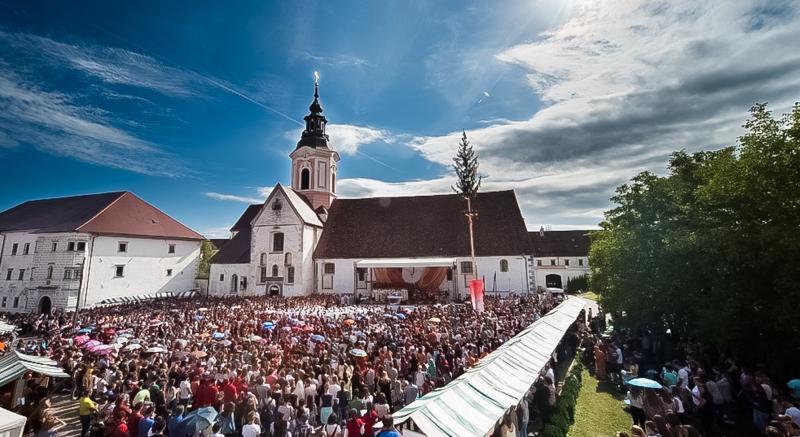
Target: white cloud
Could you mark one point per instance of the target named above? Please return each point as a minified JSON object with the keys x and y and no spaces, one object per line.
{"x":347,"y":139}
{"x":336,"y":60}
{"x":218,"y":232}
{"x":232,"y":197}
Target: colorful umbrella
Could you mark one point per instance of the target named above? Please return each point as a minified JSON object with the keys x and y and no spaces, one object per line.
{"x":644,"y":383}
{"x":360,"y":353}
{"x":155,"y":350}
{"x":85,"y":330}
{"x":349,"y":322}
{"x":199,"y":354}
{"x":268,"y":325}
{"x":434,"y":320}
{"x":308,"y":328}
{"x":218,"y":336}
{"x":196,"y":422}
{"x":90,"y":344}
{"x":400,"y":316}
{"x":132,"y":347}
{"x":81,"y":339}
{"x":317,"y":338}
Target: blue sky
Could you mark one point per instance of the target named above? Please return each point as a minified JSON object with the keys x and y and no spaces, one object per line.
{"x":195,"y":106}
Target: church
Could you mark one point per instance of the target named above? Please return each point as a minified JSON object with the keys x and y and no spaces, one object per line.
{"x":304,"y":239}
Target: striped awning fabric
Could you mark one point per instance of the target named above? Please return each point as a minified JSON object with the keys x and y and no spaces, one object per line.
{"x":146,"y":297}
{"x":14,"y":364}
{"x":6,"y":328}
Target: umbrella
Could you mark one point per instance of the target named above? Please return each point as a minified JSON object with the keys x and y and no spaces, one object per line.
{"x":349,"y":322}
{"x":181,"y":343}
{"x":198,"y":317}
{"x":308,"y":328}
{"x":388,"y":316}
{"x":81,"y":339}
{"x":202,"y":309}
{"x":135,"y":341}
{"x":218,"y":336}
{"x":254,"y":338}
{"x":211,"y":325}
{"x":359,"y":334}
{"x":287,"y":328}
{"x":155,"y":350}
{"x":268,"y":325}
{"x":84,"y":330}
{"x":121,"y":340}
{"x":90,"y":344}
{"x":226,"y":343}
{"x":156,"y":322}
{"x":644,"y":383}
{"x":107,"y":348}
{"x":196,"y":421}
{"x":360,"y":353}
{"x":203,"y":335}
{"x":236,"y":307}
{"x":132,"y":346}
{"x":400,"y":316}
{"x":318,"y":338}
{"x":199,"y":354}
{"x":434,"y":320}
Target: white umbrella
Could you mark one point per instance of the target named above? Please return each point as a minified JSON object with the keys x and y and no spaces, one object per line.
{"x":132,"y":346}
{"x":155,"y":350}
{"x":121,"y":340}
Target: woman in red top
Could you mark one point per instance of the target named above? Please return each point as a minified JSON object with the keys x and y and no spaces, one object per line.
{"x":355,"y":426}
{"x":370,"y":418}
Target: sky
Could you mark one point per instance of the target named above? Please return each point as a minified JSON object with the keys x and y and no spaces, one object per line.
{"x":195,"y":106}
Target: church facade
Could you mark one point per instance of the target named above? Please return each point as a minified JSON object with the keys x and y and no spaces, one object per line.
{"x":303,"y":239}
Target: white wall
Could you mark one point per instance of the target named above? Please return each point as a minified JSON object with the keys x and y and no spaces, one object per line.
{"x":9,"y":289}
{"x":573,"y":270}
{"x":145,"y":267}
{"x":217,"y":287}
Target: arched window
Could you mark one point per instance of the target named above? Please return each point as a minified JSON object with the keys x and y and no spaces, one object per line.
{"x":305,"y":175}
{"x":274,"y":270}
{"x":277,"y":242}
{"x":263,"y":259}
{"x":287,"y":259}
{"x":503,"y":265}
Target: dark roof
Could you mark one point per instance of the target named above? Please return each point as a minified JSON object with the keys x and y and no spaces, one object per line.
{"x":117,"y":213}
{"x":559,"y":243}
{"x":219,"y":243}
{"x":62,"y":214}
{"x":247,"y":217}
{"x":422,"y":226}
{"x":236,"y":250}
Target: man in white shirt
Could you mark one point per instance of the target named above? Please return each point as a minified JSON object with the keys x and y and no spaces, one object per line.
{"x":185,"y":388}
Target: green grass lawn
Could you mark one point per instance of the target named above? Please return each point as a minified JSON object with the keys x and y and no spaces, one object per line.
{"x":599,"y":412}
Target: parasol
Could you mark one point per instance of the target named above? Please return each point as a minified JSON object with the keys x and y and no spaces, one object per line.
{"x":317,"y":338}
{"x":360,"y":353}
{"x":132,"y":347}
{"x":434,"y":320}
{"x":155,"y":350}
{"x":643,"y":383}
{"x":218,"y":336}
{"x":81,"y":339}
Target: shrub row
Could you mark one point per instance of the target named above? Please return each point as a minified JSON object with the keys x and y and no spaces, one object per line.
{"x":563,"y":414}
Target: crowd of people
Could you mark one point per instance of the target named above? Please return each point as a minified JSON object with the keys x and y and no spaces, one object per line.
{"x":698,"y":395}
{"x":269,"y":366}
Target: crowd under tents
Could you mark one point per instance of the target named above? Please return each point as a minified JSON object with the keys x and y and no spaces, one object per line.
{"x":147,"y":297}
{"x":475,"y":402}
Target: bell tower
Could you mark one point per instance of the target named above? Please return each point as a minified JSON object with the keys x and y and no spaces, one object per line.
{"x":314,"y":164}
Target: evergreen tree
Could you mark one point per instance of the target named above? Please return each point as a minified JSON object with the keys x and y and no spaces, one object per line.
{"x":466,"y":167}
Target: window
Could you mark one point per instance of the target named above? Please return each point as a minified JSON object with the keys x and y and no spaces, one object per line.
{"x":287,"y":259}
{"x":72,"y":273}
{"x":304,"y":179}
{"x":263,"y":259}
{"x":449,"y":274}
{"x":70,"y":246}
{"x":50,"y":272}
{"x":14,"y":248}
{"x":466,"y":267}
{"x":333,"y":182}
{"x":21,"y":275}
{"x":9,"y":273}
{"x":26,"y":249}
{"x":290,"y":275}
{"x":552,"y":262}
{"x":539,"y":262}
{"x":221,"y":277}
{"x":171,"y":248}
{"x":81,"y":246}
{"x":322,"y":174}
{"x":243,"y":284}
{"x":277,"y":205}
{"x":16,"y":302}
{"x":169,"y":272}
{"x":277,"y":242}
{"x":122,"y":247}
{"x":274,"y":270}
{"x":503,"y":265}
{"x":329,"y":268}
{"x":580,"y":262}
{"x":54,"y":247}
{"x":5,"y":300}
{"x":119,"y":271}
{"x":566,"y":262}
{"x":362,"y":274}
{"x":263,"y":274}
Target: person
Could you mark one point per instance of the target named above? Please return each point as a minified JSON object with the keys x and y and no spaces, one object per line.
{"x":147,"y":421}
{"x":790,"y":409}
{"x":86,"y":408}
{"x":650,"y":429}
{"x":523,"y":416}
{"x":355,"y":426}
{"x":252,"y":429}
{"x":636,"y":399}
{"x":370,"y":418}
{"x":159,"y":425}
{"x":410,"y":393}
{"x":215,"y":430}
{"x":226,"y":420}
{"x":508,"y":428}
{"x":185,"y":391}
{"x":381,"y":406}
{"x":332,"y":427}
{"x":388,"y":429}
{"x":174,"y":419}
{"x":599,"y":363}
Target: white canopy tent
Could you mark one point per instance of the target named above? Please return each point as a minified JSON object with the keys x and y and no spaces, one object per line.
{"x":473,"y":403}
{"x":11,"y":424}
{"x":405,"y":262}
{"x":6,"y":328}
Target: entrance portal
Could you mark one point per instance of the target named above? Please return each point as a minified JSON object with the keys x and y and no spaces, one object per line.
{"x":45,"y":305}
{"x":274,"y":290}
{"x":553,"y":281}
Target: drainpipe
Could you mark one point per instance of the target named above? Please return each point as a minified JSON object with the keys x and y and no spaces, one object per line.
{"x":86,"y":281}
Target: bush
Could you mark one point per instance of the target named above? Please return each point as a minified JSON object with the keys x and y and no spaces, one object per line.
{"x":552,"y":431}
{"x":563,"y":414}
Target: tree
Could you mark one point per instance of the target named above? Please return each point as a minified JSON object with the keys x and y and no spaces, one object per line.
{"x":710,"y":251}
{"x":206,"y":252}
{"x":466,"y":167}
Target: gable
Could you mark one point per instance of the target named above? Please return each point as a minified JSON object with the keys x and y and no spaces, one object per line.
{"x":284,"y":206}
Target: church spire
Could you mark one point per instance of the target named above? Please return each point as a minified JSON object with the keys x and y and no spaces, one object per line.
{"x":314,"y":135}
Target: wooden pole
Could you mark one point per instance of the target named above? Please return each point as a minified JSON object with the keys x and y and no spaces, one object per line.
{"x":470,"y":217}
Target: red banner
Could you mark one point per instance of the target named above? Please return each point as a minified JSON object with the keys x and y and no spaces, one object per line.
{"x":476,"y":293}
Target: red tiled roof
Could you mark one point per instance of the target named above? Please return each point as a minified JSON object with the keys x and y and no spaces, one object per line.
{"x":559,"y":243}
{"x":422,"y":226}
{"x":117,"y":213}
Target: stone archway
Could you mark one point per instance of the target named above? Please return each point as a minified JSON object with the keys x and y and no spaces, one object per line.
{"x":274,"y":290}
{"x":45,"y":305}
{"x":553,"y":281}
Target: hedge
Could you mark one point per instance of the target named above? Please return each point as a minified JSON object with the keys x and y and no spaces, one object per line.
{"x":563,"y":414}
